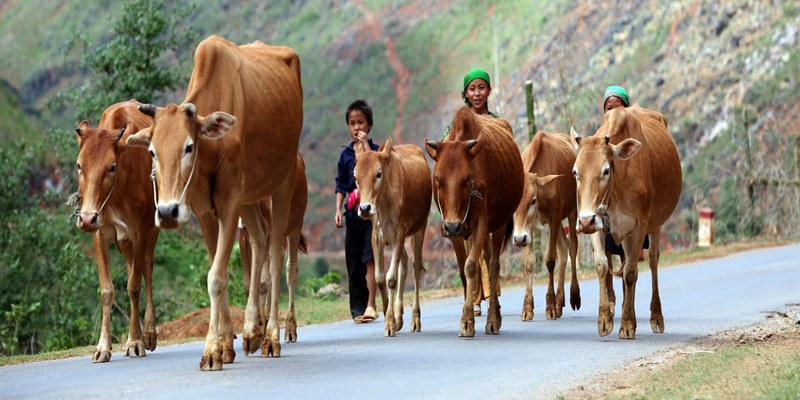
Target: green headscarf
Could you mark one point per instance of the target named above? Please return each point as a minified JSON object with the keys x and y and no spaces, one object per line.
{"x":617,"y":91}
{"x":476,"y":73}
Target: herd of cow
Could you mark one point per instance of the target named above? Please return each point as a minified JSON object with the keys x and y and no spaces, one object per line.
{"x":229,"y":153}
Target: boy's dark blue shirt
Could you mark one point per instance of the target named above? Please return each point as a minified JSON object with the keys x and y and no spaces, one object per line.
{"x":345,"y":182}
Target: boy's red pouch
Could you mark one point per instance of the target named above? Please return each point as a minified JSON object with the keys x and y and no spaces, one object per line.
{"x":353,"y":199}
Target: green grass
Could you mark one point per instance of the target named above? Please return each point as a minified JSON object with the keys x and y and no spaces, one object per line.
{"x":765,"y":371}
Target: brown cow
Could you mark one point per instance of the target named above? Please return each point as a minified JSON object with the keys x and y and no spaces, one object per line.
{"x":295,"y":240}
{"x":629,"y":182}
{"x":395,"y":188}
{"x":225,"y":150}
{"x":548,"y":197}
{"x":477,"y":184}
{"x":116,"y":204}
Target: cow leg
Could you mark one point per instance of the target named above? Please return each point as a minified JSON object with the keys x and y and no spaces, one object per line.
{"x":281,"y":207}
{"x":630,"y":274}
{"x":553,"y":308}
{"x":101,"y":255}
{"x":135,"y":259}
{"x":255,"y":221}
{"x":656,"y":318}
{"x":471,"y":266}
{"x":416,"y":244}
{"x":561,"y":261}
{"x":380,"y":271}
{"x":605,"y":321}
{"x":245,"y":251}
{"x":401,"y":284}
{"x":527,"y":302}
{"x":493,"y":318}
{"x":290,"y":335}
{"x":218,"y":345}
{"x":264,"y":283}
{"x":150,"y":332}
{"x":574,"y":287}
{"x":390,"y":324}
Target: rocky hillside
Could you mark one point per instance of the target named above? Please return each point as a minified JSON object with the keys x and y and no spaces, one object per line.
{"x":699,"y":63}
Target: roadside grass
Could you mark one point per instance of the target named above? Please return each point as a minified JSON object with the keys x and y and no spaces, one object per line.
{"x":750,"y":371}
{"x":312,"y":310}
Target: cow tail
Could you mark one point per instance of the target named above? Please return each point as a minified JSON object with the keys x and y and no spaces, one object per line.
{"x":507,"y":235}
{"x":303,"y":244}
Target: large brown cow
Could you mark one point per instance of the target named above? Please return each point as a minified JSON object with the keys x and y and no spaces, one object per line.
{"x":116,"y":204}
{"x":477,"y":184}
{"x":629,"y":182}
{"x":395,"y":188}
{"x":228,"y":147}
{"x":548,"y":197}
{"x":295,"y":240}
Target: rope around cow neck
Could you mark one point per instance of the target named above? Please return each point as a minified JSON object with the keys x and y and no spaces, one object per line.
{"x":472,"y":193}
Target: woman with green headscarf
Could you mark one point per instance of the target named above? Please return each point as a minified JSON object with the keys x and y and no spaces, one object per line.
{"x":475,"y":93}
{"x":615,"y":96}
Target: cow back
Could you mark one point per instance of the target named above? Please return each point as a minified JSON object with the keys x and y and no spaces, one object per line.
{"x":260,"y":85}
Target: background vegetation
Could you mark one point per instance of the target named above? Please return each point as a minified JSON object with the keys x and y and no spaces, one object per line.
{"x":725,"y":75}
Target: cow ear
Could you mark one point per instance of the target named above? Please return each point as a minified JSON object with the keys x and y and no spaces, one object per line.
{"x":576,"y":137}
{"x":120,"y":133}
{"x":140,"y":139}
{"x":81,"y":129}
{"x":217,"y":124}
{"x":387,"y":148}
{"x":546,"y":180}
{"x":626,"y":149}
{"x":432,"y":148}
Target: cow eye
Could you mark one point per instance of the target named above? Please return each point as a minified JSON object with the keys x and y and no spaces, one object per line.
{"x":152,"y":154}
{"x":379,"y":174}
{"x":533,"y":201}
{"x":575,"y":174}
{"x":606,"y":171}
{"x":112,"y":169}
{"x":188,"y":149}
{"x":79,"y":166}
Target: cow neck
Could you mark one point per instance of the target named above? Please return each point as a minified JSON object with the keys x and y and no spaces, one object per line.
{"x":188,"y":181}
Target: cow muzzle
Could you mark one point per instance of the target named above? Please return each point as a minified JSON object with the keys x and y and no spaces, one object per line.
{"x":168,"y":216}
{"x":521,"y":240}
{"x":588,"y":224}
{"x":366,"y":210}
{"x":88,"y":221}
{"x":451,"y":230}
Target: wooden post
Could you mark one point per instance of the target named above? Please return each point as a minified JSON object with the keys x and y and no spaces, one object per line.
{"x":530,"y":103}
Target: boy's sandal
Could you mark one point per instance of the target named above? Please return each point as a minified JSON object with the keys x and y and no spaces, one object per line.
{"x":369,"y":315}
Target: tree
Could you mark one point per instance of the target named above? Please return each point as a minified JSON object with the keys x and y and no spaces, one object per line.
{"x":143,"y":57}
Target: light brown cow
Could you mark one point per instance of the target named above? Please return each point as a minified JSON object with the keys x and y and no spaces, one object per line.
{"x":116,"y":204}
{"x":629,"y":182}
{"x":295,"y":240}
{"x":395,"y":188}
{"x":225,"y":150}
{"x":477,"y":184}
{"x":548,"y":197}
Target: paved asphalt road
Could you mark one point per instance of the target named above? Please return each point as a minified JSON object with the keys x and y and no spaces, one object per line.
{"x":536,"y":359}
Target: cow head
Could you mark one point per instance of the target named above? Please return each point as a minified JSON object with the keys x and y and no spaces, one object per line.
{"x":594,"y":173}
{"x":454,"y":188}
{"x":527,"y":214}
{"x":370,"y":173}
{"x":99,"y":150}
{"x":173,"y":143}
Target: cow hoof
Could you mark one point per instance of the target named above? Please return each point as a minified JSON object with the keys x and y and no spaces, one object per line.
{"x":211,"y":361}
{"x":389,"y":329}
{"x":290,"y":335}
{"x":416,"y":325}
{"x":611,"y":306}
{"x":398,"y":322}
{"x":559,"y":311}
{"x":251,"y":342}
{"x":657,"y":324}
{"x":271,"y":348}
{"x":134,"y":349}
{"x":101,"y":356}
{"x":527,"y":309}
{"x":150,"y":340}
{"x":575,"y":301}
{"x":550,"y":313}
{"x":627,"y":331}
{"x":604,"y":326}
{"x":492,"y":328}
{"x":467,"y":328}
{"x":228,"y":354}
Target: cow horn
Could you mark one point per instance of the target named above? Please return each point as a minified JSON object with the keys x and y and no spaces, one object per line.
{"x":148,"y":109}
{"x":190,"y":110}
